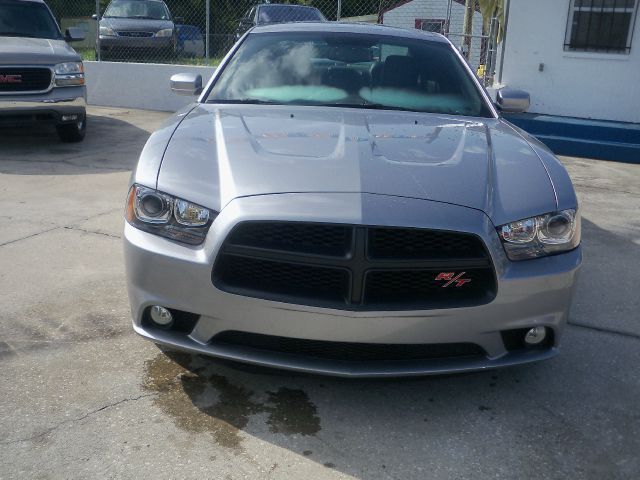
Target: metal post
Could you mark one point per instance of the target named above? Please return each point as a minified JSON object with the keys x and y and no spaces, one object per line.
{"x":504,"y":40}
{"x":490,"y":50}
{"x":339,"y":14}
{"x":98,"y":54}
{"x":208,"y":30}
{"x":469,"y":8}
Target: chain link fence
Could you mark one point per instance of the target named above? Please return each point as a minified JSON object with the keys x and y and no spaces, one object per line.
{"x":200,"y":32}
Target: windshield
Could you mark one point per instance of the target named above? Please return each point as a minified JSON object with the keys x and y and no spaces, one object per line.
{"x":285,"y":13}
{"x":151,"y":10}
{"x":349,"y":70}
{"x":27,"y":19}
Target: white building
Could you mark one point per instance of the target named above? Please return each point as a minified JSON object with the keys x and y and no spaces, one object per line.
{"x":437,"y":16}
{"x":577,"y":58}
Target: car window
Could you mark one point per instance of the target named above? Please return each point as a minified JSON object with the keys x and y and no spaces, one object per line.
{"x":285,"y":13}
{"x":353,"y":70}
{"x":152,"y":10}
{"x":27,"y":19}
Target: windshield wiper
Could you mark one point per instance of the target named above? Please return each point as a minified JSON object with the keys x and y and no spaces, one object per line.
{"x":370,"y":106}
{"x":244,"y":101}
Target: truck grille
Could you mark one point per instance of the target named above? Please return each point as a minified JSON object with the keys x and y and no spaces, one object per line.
{"x":24,"y":79}
{"x":352,"y":267}
{"x":347,"y":351}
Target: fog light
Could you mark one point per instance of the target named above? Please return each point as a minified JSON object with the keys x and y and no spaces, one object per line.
{"x":161,"y":316}
{"x":535,"y":336}
{"x":68,"y":118}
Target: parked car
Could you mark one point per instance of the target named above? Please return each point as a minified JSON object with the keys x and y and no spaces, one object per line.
{"x":190,"y":41}
{"x":137,"y":29}
{"x":268,"y":13}
{"x":41,"y":76}
{"x":320,"y":212}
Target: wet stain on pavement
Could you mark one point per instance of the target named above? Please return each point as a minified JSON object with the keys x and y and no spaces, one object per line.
{"x":292,"y":412}
{"x":200,"y":402}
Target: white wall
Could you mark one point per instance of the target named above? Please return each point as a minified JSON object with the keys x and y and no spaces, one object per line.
{"x":137,"y":85}
{"x":576,"y":84}
{"x":405,"y":16}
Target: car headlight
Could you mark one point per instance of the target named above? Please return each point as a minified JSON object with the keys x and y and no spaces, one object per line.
{"x":107,"y":32}
{"x":167,"y":32}
{"x":69,"y":74}
{"x":542,"y":235}
{"x":168,"y":216}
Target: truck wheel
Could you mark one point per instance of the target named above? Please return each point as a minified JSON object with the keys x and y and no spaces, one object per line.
{"x":73,"y":132}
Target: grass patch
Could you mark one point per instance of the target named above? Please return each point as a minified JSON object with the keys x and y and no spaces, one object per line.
{"x":89,"y":54}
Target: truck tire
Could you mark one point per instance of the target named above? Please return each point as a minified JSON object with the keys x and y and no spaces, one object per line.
{"x":73,"y":132}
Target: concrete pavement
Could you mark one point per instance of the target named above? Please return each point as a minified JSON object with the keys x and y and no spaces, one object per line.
{"x":83,"y":397}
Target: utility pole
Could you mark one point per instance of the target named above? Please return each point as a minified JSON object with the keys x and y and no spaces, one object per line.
{"x":98,"y":53}
{"x":469,"y":7}
{"x":339,"y":14}
{"x":208,"y":13}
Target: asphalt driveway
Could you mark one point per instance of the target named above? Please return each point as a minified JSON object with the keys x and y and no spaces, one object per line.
{"x":81,"y":396}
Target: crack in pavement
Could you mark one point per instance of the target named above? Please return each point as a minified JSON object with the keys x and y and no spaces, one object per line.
{"x":29,"y":236}
{"x":612,"y":331}
{"x":79,"y":419}
{"x":78,"y":229}
{"x":67,"y":227}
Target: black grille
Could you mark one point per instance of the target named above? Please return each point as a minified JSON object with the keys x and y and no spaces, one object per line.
{"x":280,"y":279}
{"x":136,"y":34}
{"x":403,"y":243}
{"x":355,"y":267}
{"x":420,"y":288}
{"x":24,"y":79}
{"x":347,"y":351}
{"x":318,"y":239}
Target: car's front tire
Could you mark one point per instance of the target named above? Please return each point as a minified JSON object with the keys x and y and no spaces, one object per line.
{"x":73,"y":132}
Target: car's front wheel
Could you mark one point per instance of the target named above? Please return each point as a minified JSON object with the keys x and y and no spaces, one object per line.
{"x":73,"y":132}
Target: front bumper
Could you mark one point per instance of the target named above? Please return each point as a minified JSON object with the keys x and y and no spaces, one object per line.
{"x":530,"y":293}
{"x":52,"y":105}
{"x":130,"y":45}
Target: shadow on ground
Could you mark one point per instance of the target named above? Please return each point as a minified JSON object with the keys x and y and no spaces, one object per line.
{"x":36,"y":150}
{"x":549,"y":419}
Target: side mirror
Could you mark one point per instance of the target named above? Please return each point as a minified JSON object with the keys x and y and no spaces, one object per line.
{"x":186,"y":84}
{"x":95,"y":16}
{"x":509,"y":100}
{"x":74,"y":34}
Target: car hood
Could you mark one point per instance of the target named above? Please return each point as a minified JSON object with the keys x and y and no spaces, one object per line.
{"x":35,"y":51}
{"x":136,"y":24}
{"x":218,"y":153}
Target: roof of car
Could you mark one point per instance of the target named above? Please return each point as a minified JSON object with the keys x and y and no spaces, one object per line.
{"x":345,"y":27}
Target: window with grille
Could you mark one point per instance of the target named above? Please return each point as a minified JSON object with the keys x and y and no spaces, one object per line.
{"x":600,"y":25}
{"x":431,"y":24}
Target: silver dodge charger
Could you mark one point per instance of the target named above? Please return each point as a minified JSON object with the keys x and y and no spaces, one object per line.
{"x":346,"y":200}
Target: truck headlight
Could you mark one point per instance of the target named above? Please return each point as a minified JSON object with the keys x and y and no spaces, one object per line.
{"x":167,"y":32}
{"x":69,"y":74}
{"x":542,"y":235}
{"x":161,"y":214}
{"x":107,"y":32}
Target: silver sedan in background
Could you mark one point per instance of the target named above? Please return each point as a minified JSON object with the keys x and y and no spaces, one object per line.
{"x":345,"y":199}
